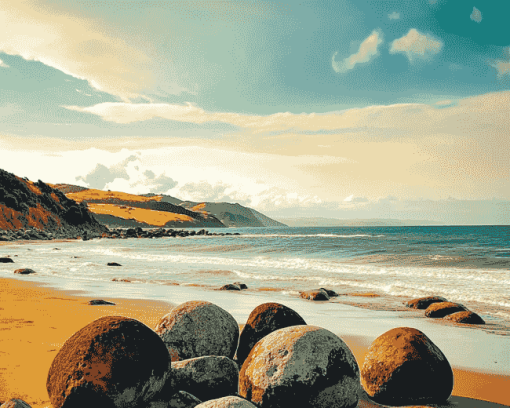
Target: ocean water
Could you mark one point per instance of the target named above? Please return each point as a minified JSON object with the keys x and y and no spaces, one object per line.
{"x":465,"y":264}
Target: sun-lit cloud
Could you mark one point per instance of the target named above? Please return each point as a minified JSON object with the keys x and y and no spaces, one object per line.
{"x":502,"y":66}
{"x":476,"y":15}
{"x":74,"y":45}
{"x":416,"y":45}
{"x":366,"y":52}
{"x":3,"y":64}
{"x":394,"y":16}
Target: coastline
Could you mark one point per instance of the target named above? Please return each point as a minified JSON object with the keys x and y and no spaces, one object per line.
{"x":36,"y":320}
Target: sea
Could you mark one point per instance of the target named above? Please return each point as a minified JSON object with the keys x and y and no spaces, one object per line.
{"x":465,"y":264}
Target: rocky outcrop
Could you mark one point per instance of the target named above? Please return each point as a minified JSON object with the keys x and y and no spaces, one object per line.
{"x":443,"y":309}
{"x":198,"y":328}
{"x":466,"y":317}
{"x":112,"y":362}
{"x":424,"y":302}
{"x":36,"y":211}
{"x":263,"y":320}
{"x":300,"y":366}
{"x":404,"y":367}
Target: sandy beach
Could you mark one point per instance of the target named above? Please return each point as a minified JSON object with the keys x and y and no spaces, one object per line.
{"x":36,"y":320}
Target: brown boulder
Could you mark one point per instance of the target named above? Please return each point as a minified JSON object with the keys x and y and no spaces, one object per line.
{"x":24,"y":271}
{"x":443,"y":309}
{"x":466,"y":317}
{"x":265,"y":319}
{"x":404,"y":367}
{"x":314,"y":294}
{"x":112,"y":362}
{"x":230,"y":286}
{"x":198,"y":328}
{"x":227,"y":402}
{"x":15,"y":403}
{"x":424,"y":302}
{"x":300,"y":366}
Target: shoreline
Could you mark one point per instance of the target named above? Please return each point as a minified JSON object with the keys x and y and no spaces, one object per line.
{"x":37,"y":319}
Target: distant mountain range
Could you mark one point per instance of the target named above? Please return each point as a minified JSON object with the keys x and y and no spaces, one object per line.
{"x":117,"y":209}
{"x":335,"y":222}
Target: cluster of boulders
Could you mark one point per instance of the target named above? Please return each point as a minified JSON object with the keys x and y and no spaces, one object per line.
{"x":439,"y":307}
{"x":197,"y":357}
{"x":119,"y":233}
{"x":234,"y":286}
{"x":318,"y":294}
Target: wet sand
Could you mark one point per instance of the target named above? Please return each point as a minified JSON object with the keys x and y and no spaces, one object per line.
{"x":36,"y":320}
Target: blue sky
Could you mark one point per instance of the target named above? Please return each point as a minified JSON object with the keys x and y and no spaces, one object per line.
{"x":345,"y":109}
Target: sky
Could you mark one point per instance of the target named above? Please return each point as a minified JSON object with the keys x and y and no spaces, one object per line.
{"x":343,"y":109}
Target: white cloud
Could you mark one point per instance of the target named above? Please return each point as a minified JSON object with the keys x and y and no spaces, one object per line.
{"x":416,"y":45}
{"x":3,"y":64}
{"x":394,"y":16}
{"x":367,"y":51}
{"x":476,"y":15}
{"x":502,"y":66}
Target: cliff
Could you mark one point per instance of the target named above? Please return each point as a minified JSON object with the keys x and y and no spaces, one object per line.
{"x":31,"y":210}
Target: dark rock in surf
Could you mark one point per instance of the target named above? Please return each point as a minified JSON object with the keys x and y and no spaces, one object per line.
{"x":331,"y":293}
{"x":404,"y":367}
{"x":466,"y":317}
{"x":315,"y":294}
{"x":6,"y":260}
{"x":24,"y":271}
{"x":113,"y":264}
{"x":443,"y":309}
{"x":230,"y":286}
{"x":99,"y":302}
{"x":424,"y":302}
{"x":241,"y":286}
{"x":263,"y":320}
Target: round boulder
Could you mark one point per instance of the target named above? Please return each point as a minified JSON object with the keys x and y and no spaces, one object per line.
{"x":443,"y":309}
{"x":265,"y":319}
{"x":314,"y":294}
{"x":227,"y":402}
{"x":112,"y":362}
{"x":466,"y":317}
{"x":24,"y":271}
{"x":424,"y":302}
{"x":404,"y":367}
{"x":6,"y":260}
{"x":300,"y":366}
{"x":198,"y":328}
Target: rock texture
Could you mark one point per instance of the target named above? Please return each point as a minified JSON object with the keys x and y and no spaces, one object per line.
{"x":314,"y":294}
{"x":424,"y":302}
{"x":198,"y":328}
{"x":24,"y":271}
{"x":99,"y":302}
{"x":38,"y":211}
{"x":466,"y":317}
{"x":112,"y":362}
{"x":404,"y":367}
{"x":263,"y":320}
{"x":181,"y":399}
{"x":227,"y":402}
{"x":443,"y":309}
{"x":15,"y":403}
{"x":300,"y":366}
{"x":206,"y":377}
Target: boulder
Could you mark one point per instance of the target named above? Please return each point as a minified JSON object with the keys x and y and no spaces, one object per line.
{"x":314,"y":294}
{"x":331,"y":293}
{"x":300,"y":366}
{"x":15,"y":403}
{"x":206,"y":377}
{"x":198,"y":328}
{"x":263,"y":320}
{"x":181,"y":399}
{"x":466,"y":317}
{"x":424,"y":302}
{"x":98,"y":302}
{"x":6,"y":260}
{"x":112,"y":362}
{"x":242,"y":286}
{"x":230,"y":286}
{"x":24,"y":271}
{"x":227,"y":402}
{"x":404,"y":367}
{"x":113,"y":264}
{"x":443,"y":309}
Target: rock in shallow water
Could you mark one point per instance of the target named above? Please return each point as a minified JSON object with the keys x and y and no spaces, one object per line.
{"x":466,"y":317}
{"x":403,"y":367}
{"x":198,"y":328}
{"x":6,"y":260}
{"x":24,"y":271}
{"x":300,"y":366}
{"x":263,"y":320}
{"x":112,"y":362}
{"x":443,"y":309}
{"x":424,"y":302}
{"x":314,"y":294}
